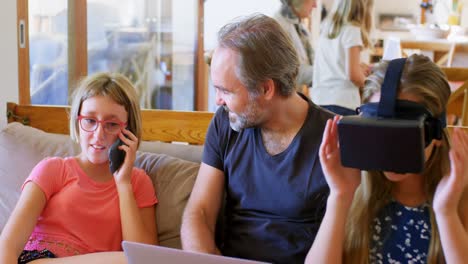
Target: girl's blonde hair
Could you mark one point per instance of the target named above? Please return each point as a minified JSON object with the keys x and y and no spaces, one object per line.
{"x":424,"y":79}
{"x":113,"y":85}
{"x":354,"y":12}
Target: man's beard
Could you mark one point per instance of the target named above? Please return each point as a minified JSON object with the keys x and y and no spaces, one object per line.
{"x":244,"y":120}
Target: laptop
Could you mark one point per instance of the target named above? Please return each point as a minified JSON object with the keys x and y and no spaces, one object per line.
{"x":137,"y":253}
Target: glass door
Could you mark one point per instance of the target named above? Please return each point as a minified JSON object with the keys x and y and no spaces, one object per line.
{"x":48,"y":47}
{"x":153,"y":42}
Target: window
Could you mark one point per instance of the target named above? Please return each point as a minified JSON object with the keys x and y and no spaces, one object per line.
{"x":157,"y":44}
{"x":48,"y":52}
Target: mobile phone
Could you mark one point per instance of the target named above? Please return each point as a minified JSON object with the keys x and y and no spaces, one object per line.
{"x":116,"y":156}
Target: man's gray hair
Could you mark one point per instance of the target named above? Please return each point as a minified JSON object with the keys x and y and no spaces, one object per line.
{"x":265,"y":52}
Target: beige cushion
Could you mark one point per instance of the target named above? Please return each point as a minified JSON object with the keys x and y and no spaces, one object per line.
{"x":185,"y":152}
{"x":22,"y":147}
{"x":173,"y":180}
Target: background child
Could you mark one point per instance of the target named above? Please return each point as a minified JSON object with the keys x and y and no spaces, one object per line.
{"x":389,"y":217}
{"x":338,"y":71}
{"x":73,"y":208}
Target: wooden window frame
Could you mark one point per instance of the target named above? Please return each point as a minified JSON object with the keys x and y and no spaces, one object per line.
{"x":23,"y":52}
{"x":77,"y":51}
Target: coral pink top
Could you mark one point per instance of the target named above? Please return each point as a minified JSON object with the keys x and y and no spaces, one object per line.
{"x":81,"y":215}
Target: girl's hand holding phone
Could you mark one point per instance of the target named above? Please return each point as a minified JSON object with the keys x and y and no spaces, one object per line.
{"x":129,"y":146}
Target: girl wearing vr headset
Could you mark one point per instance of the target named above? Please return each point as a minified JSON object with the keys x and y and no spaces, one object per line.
{"x":385,"y":217}
{"x":339,"y":72}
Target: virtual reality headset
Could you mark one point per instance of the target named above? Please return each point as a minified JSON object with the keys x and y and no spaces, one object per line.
{"x":390,"y":135}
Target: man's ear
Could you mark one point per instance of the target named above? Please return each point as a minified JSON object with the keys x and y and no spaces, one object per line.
{"x":269,"y":89}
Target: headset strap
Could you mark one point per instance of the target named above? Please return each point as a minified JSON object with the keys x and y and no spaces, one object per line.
{"x":388,"y":92}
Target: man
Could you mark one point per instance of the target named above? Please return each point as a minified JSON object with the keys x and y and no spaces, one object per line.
{"x":260,"y":150}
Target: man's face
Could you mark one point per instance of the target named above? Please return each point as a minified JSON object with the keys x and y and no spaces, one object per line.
{"x":231,"y":94}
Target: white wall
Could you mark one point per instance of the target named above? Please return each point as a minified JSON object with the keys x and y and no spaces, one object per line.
{"x":440,"y":14}
{"x":220,"y":12}
{"x":9,"y":58}
{"x":397,"y":6}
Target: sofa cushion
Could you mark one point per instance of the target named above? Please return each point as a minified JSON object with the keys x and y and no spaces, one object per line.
{"x":178,"y":150}
{"x":22,"y":147}
{"x":173,"y":180}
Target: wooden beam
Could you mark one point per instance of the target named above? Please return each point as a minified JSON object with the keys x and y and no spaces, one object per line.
{"x":158,"y":125}
{"x":169,"y":126}
{"x":23,"y":52}
{"x":436,"y":46}
{"x":201,"y":82}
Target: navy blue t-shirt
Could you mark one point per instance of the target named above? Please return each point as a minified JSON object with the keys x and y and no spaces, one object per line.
{"x":274,"y":204}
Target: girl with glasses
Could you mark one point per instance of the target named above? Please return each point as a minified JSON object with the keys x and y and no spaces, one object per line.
{"x":73,"y":209}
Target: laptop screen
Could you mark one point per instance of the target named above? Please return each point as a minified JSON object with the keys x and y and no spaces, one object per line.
{"x":137,"y":253}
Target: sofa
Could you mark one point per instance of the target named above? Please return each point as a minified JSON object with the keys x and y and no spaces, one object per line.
{"x":172,"y":167}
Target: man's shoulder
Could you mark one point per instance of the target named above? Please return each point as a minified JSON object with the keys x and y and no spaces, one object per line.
{"x":318,"y":116}
{"x":219,"y":129}
{"x":321,"y":112}
{"x":317,"y":112}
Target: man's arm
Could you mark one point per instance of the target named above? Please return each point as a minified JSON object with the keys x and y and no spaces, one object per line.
{"x":200,"y":215}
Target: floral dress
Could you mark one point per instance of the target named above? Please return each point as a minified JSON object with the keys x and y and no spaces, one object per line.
{"x":401,"y":234}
